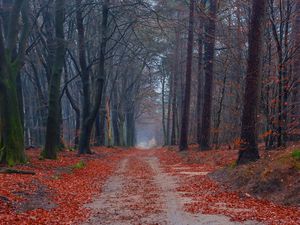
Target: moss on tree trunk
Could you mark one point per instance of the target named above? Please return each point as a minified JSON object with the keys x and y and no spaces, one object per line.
{"x":11,"y":129}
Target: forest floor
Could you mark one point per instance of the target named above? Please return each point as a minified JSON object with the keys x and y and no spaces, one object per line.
{"x":130,"y":186}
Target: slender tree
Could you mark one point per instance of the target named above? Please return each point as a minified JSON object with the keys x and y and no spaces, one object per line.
{"x":200,"y":70}
{"x":183,"y":145}
{"x":249,"y":149}
{"x":208,"y":68}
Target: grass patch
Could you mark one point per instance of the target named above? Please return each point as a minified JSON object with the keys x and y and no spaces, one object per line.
{"x":79,"y":165}
{"x":296,"y":154}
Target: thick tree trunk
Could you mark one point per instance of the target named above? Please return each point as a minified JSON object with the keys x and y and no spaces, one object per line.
{"x":11,"y":59}
{"x":208,"y":68}
{"x":11,"y":128}
{"x":183,"y":145}
{"x":53,"y":121}
{"x":249,"y":149}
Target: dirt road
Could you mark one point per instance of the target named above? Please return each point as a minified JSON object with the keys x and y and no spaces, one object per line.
{"x":141,"y":192}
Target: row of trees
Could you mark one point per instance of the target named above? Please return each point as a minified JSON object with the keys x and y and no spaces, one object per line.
{"x":248,"y":49}
{"x":97,"y":72}
{"x":74,"y":73}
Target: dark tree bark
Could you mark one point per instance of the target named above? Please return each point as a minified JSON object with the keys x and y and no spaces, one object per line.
{"x":87,"y":124}
{"x":183,"y":145}
{"x":115,"y":119}
{"x":208,"y":68}
{"x":130,"y":128}
{"x":12,"y":51}
{"x":249,"y":149}
{"x":76,"y":109}
{"x":200,"y":73}
{"x":174,"y":92}
{"x":54,"y":113}
{"x":84,"y":73}
{"x":164,"y":109}
{"x":100,"y":125}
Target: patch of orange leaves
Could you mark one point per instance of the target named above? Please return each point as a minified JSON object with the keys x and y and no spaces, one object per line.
{"x":210,"y":198}
{"x":141,"y":183}
{"x":69,"y":189}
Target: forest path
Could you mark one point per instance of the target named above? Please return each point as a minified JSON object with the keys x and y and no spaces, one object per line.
{"x":140,"y":192}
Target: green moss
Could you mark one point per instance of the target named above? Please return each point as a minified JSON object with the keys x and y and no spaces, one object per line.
{"x":12,"y":139}
{"x":79,"y":165}
{"x":296,"y":154}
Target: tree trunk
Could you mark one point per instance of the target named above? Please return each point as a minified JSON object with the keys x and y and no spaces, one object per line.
{"x":77,"y":112}
{"x":115,"y":119}
{"x":249,"y":149}
{"x":130,"y":129}
{"x":164,"y":110}
{"x":169,"y":108}
{"x":200,"y":75}
{"x":87,"y":124}
{"x":219,"y":113}
{"x":84,"y":74}
{"x":183,"y":145}
{"x":208,"y":67}
{"x":11,"y":129}
{"x":175,"y":92}
{"x":53,"y":121}
{"x":100,"y":125}
{"x":296,"y":71}
{"x":11,"y":60}
{"x":108,"y":122}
